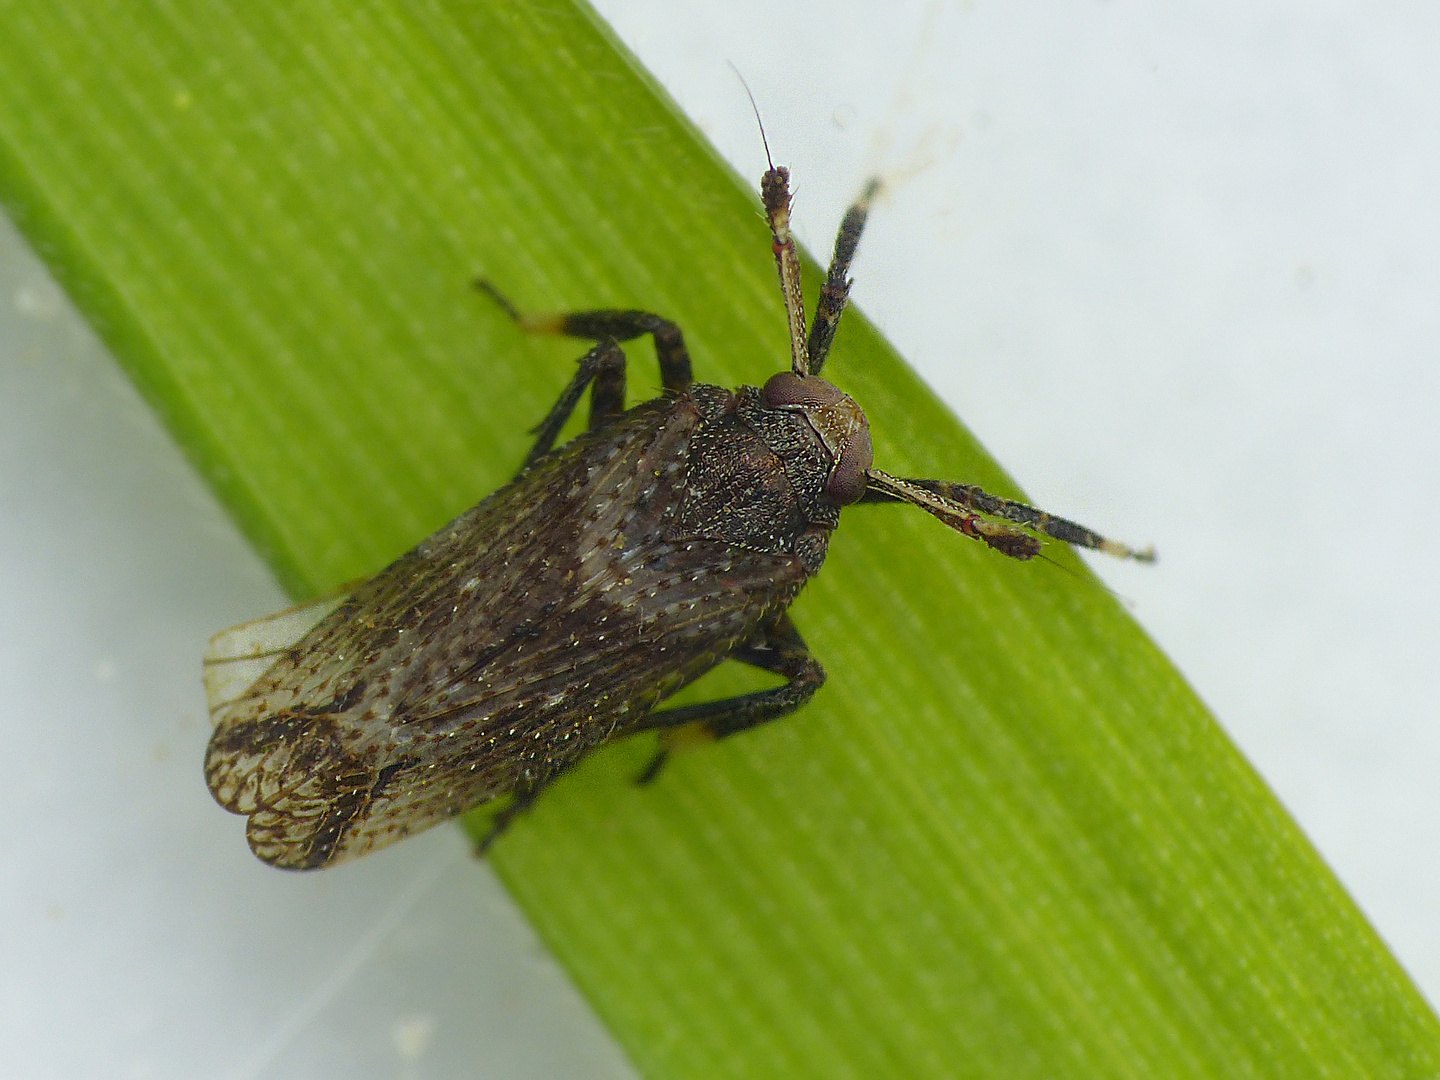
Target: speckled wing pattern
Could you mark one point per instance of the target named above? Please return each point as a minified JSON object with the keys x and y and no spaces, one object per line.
{"x":548,"y":619}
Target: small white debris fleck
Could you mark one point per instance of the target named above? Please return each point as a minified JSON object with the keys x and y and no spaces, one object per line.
{"x":412,"y":1035}
{"x":38,"y":300}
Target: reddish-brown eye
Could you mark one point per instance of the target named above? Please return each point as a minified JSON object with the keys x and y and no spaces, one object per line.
{"x":847,"y":481}
{"x":786,"y":390}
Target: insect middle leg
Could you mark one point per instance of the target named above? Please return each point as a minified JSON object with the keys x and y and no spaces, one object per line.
{"x":603,"y":367}
{"x":778,"y":648}
{"x":603,"y":370}
{"x":615,"y":324}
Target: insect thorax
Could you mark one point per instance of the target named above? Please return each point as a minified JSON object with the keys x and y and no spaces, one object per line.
{"x":756,"y":478}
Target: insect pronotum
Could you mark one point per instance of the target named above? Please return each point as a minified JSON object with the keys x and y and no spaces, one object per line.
{"x":562,"y":611}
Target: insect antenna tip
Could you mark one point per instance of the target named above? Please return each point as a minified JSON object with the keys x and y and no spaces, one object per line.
{"x":769,"y":161}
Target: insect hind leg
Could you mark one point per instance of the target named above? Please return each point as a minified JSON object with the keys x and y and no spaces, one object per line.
{"x":525,"y":797}
{"x":778,"y":648}
{"x":504,"y":819}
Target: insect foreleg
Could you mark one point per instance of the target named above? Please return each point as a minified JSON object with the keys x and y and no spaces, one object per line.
{"x":621,"y":325}
{"x":779,"y":648}
{"x":973,"y":498}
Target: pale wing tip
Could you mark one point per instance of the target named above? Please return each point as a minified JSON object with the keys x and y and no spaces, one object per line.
{"x":227,"y":681}
{"x":272,"y":634}
{"x":237,"y":657}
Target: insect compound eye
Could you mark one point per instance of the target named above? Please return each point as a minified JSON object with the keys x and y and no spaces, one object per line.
{"x":839,"y":423}
{"x":847,"y":481}
{"x":788,"y":391}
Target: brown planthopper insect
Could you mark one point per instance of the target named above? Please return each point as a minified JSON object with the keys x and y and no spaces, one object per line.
{"x":562,"y":611}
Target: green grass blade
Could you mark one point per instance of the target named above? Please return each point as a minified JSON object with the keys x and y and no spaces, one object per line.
{"x":1005,"y":841}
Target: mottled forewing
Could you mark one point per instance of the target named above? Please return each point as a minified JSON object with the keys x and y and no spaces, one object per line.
{"x":547,"y":619}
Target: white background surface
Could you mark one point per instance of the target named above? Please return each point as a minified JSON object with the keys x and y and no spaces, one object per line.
{"x":1176,"y":264}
